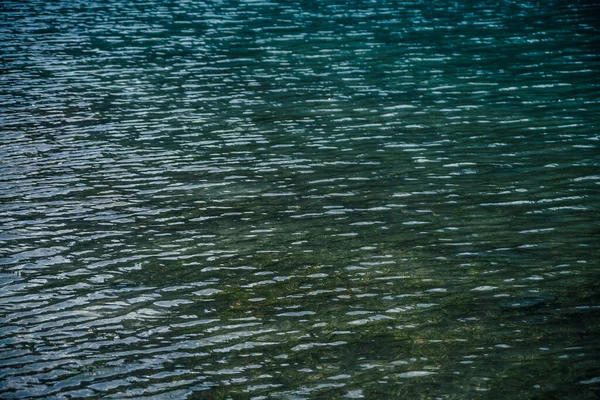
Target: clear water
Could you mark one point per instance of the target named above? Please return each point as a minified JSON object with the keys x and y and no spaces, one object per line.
{"x":328,"y":199}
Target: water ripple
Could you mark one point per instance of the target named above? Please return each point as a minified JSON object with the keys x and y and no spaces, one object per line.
{"x":298,"y":200}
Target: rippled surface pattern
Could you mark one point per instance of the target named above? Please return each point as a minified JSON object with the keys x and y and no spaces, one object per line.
{"x":293,"y":200}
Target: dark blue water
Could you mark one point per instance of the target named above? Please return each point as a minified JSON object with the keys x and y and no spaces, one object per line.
{"x":293,"y":200}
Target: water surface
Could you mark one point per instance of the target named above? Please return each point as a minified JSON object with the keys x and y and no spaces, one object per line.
{"x":246,"y":199}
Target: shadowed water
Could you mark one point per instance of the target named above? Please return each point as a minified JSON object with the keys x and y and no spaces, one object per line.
{"x":293,"y":200}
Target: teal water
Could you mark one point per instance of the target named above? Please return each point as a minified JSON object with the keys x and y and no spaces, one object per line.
{"x":295,"y":200}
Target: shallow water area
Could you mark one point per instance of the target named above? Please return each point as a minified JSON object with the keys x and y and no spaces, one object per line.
{"x":246,"y":199}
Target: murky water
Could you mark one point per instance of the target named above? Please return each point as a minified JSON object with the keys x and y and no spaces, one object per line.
{"x":245,"y":199}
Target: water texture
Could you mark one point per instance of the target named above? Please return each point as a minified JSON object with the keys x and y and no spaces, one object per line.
{"x":299,"y":199}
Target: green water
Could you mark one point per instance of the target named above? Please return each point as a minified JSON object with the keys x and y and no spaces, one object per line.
{"x":296,"y":200}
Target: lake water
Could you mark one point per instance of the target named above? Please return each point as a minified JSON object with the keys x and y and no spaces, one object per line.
{"x":299,"y":199}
